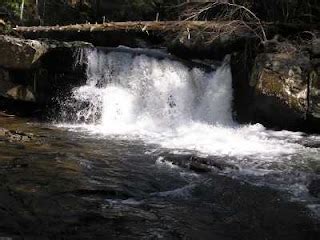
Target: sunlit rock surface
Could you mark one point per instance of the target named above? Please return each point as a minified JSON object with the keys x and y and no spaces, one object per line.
{"x":20,"y":53}
{"x":280,"y":81}
{"x":279,"y":87}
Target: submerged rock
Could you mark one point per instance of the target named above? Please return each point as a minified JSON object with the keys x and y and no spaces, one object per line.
{"x":198,"y":164}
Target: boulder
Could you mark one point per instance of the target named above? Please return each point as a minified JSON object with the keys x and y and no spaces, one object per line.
{"x":278,"y":86}
{"x":24,"y":54}
{"x":19,"y":53}
{"x":280,"y":83}
{"x":24,"y":62}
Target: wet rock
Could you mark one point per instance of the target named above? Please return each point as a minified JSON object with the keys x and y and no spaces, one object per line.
{"x":198,"y":164}
{"x":314,"y":188}
{"x":21,"y":136}
{"x":199,"y":167}
{"x":16,"y":135}
{"x":19,"y":53}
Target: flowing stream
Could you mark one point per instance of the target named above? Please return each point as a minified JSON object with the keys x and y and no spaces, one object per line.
{"x":136,"y":94}
{"x":148,"y":149}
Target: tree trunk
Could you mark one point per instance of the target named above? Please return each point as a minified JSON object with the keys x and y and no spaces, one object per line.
{"x":21,"y":10}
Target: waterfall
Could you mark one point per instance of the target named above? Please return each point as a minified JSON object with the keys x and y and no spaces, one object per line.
{"x":178,"y":108}
{"x":125,"y":89}
{"x":148,"y":95}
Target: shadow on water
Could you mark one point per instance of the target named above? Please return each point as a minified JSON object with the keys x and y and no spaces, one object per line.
{"x":67,"y":185}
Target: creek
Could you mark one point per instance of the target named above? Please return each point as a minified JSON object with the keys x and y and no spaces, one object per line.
{"x":148,"y":149}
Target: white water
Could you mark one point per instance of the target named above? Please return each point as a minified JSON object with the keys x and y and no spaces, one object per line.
{"x":162,"y":101}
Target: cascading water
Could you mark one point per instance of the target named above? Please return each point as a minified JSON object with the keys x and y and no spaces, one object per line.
{"x":145,"y":95}
{"x":166,"y":102}
{"x":133,"y":93}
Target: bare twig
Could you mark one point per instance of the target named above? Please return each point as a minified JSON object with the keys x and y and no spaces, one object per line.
{"x":244,"y":15}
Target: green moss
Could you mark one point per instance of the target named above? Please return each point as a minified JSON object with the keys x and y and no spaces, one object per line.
{"x":271,"y":83}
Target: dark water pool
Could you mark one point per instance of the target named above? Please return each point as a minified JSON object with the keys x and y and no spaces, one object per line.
{"x":68,"y":185}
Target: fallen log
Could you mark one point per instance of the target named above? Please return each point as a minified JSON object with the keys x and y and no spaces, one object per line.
{"x":235,"y":26}
{"x":172,"y":26}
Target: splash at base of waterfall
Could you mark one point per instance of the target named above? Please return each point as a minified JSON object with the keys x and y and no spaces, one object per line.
{"x":130,"y":94}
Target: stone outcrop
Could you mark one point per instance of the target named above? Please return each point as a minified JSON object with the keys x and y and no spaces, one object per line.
{"x":23,"y":62}
{"x":280,"y":82}
{"x":24,"y":54}
{"x":20,"y":53}
{"x":281,"y":89}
